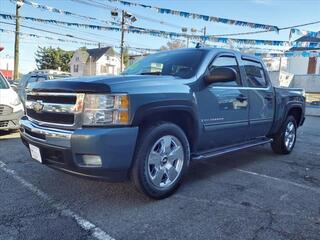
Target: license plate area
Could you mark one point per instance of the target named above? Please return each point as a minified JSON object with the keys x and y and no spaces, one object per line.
{"x":35,"y":153}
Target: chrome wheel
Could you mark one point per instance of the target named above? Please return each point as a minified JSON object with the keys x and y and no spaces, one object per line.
{"x":165,"y":161}
{"x":290,"y":135}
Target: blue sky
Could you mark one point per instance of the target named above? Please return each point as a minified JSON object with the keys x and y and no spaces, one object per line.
{"x":274,"y":12}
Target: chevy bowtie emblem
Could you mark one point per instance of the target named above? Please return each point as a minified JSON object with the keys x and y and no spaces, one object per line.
{"x":38,"y":106}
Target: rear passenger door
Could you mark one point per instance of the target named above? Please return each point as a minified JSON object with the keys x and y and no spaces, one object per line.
{"x":261,"y":98}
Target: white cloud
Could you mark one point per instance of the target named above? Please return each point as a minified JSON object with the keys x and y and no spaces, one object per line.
{"x":263,"y":2}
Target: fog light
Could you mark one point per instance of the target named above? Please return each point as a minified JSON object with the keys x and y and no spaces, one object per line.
{"x":91,"y":161}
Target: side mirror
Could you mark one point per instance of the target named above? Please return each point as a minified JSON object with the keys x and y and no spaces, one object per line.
{"x":221,"y":74}
{"x":15,"y":88}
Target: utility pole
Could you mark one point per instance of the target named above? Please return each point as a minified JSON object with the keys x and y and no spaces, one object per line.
{"x":16,"y":41}
{"x":204,"y":34}
{"x":122,"y":40}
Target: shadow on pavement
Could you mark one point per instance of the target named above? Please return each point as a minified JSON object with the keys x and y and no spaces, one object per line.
{"x":9,"y":134}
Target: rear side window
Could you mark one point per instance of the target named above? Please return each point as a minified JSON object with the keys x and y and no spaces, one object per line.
{"x":227,"y":61}
{"x":255,"y":74}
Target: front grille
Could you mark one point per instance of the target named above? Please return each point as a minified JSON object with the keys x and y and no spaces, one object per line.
{"x":33,"y":134}
{"x":4,"y":124}
{"x":53,"y":99}
{"x":53,"y":109}
{"x":48,"y":117}
{"x":5,"y":110}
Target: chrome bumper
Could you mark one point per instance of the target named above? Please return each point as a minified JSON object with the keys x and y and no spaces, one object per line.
{"x":51,"y":136}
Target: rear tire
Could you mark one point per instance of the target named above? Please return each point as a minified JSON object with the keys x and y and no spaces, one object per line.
{"x":285,"y":139}
{"x":161,"y":159}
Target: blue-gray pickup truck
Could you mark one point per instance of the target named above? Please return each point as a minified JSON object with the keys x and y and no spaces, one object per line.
{"x":163,"y":111}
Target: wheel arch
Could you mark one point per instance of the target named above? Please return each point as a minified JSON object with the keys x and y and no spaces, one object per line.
{"x":295,"y":110}
{"x":183,"y":115}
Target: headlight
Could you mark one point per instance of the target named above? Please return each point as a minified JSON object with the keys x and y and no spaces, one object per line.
{"x":15,"y":101}
{"x":105,"y":109}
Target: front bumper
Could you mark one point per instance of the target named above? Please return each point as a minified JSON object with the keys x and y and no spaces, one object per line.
{"x":10,"y":121}
{"x":64,"y":149}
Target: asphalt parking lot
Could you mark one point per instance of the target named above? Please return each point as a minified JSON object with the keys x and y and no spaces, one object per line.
{"x":252,"y":194}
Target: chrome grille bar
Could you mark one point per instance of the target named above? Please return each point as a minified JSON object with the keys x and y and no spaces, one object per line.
{"x":51,"y":107}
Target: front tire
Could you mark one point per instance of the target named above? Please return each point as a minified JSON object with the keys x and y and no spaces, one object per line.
{"x":162,"y":158}
{"x":285,"y":139}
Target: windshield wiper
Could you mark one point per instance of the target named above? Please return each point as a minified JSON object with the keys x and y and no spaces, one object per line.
{"x":151,"y":73}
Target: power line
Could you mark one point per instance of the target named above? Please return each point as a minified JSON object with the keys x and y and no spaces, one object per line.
{"x":94,"y":3}
{"x":60,"y":11}
{"x":197,"y":16}
{"x":47,"y":31}
{"x":46,"y":37}
{"x":66,"y":41}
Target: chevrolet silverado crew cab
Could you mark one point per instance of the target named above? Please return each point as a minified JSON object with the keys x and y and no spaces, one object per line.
{"x":163,"y":111}
{"x":11,"y":109}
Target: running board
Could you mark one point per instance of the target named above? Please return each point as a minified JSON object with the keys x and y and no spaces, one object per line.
{"x":233,"y":148}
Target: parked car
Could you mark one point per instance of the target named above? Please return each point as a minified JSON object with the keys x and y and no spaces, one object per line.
{"x":11,"y":109}
{"x":315,"y":103}
{"x":38,"y":76}
{"x":165,"y":110}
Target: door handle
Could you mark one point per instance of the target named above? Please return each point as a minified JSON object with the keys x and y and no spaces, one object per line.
{"x":241,"y":98}
{"x":268,"y":97}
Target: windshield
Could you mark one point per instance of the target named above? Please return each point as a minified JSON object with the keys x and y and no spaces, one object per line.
{"x":3,"y":83}
{"x":183,"y":64}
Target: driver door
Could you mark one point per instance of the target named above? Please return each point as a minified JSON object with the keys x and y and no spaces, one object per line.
{"x":224,"y":108}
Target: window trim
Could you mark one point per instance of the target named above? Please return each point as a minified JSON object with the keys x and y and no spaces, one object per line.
{"x":227,"y":54}
{"x":263,"y":69}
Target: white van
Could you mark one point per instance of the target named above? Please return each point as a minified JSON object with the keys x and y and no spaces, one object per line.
{"x":11,"y":109}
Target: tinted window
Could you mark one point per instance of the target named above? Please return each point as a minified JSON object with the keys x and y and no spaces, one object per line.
{"x":183,"y":64}
{"x":231,"y":62}
{"x":255,"y":74}
{"x":3,"y":83}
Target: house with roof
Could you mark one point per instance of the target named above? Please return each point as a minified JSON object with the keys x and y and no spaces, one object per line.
{"x":300,"y":65}
{"x":96,"y":61}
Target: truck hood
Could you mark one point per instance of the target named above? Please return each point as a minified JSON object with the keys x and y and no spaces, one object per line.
{"x":101,"y":84}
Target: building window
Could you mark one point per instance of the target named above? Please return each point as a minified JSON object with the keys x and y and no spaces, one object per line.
{"x":103,"y":69}
{"x":77,"y":59}
{"x":75,"y":68}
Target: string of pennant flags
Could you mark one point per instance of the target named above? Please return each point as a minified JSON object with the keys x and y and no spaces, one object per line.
{"x":60,"y":11}
{"x":304,"y":33}
{"x":166,"y":34}
{"x":199,"y":16}
{"x":48,"y":38}
{"x":31,"y":35}
{"x":290,"y":54}
{"x":159,"y":10}
{"x":263,"y":54}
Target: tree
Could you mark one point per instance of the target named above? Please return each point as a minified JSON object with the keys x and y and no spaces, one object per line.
{"x":53,"y":58}
{"x":173,"y":45}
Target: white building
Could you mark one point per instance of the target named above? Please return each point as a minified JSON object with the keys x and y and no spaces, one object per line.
{"x":304,"y":65}
{"x":97,"y":61}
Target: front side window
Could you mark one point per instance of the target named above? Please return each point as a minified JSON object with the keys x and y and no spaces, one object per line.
{"x":3,"y":83}
{"x":255,"y":74}
{"x":230,"y":62}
